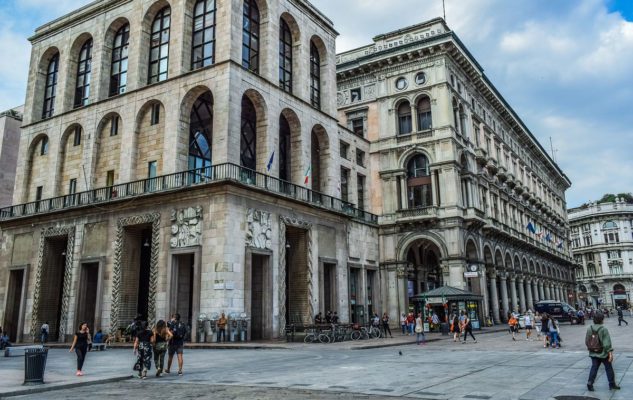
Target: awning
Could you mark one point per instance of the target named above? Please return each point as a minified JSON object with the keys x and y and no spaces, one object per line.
{"x":446,"y":293}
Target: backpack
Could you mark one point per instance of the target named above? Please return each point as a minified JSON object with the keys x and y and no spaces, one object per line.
{"x":179,"y":331}
{"x":592,"y":341}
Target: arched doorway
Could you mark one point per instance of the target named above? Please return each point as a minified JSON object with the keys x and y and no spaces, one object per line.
{"x":423,"y":272}
{"x":620,"y":296}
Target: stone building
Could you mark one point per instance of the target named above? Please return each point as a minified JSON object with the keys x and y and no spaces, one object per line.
{"x":10,"y":122}
{"x":602,"y":245}
{"x":184,"y":156}
{"x":467,"y":197}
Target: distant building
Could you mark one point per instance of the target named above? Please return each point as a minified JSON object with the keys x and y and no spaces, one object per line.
{"x":602,"y":246}
{"x":10,"y":122}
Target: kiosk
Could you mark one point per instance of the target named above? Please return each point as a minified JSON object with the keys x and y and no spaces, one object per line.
{"x":444,"y":301}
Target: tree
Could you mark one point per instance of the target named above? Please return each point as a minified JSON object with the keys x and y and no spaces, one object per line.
{"x":610,"y":197}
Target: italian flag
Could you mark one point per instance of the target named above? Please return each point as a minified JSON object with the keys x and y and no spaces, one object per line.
{"x":307,"y":175}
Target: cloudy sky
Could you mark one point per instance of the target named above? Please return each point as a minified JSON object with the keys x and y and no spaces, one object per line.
{"x":566,"y":66}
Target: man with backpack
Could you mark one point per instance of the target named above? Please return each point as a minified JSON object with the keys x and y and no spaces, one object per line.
{"x":177,"y":343}
{"x":598,"y":342}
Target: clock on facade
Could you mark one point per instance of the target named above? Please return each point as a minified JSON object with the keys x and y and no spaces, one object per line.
{"x":420,"y":78}
{"x":473,"y":268}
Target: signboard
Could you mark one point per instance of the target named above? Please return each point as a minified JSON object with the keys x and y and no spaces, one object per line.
{"x":469,"y":274}
{"x":435,"y":300}
{"x":619,"y":296}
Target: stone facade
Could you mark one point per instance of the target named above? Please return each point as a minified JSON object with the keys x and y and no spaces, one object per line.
{"x":155,"y":232}
{"x":456,"y":176}
{"x":10,"y":122}
{"x":602,"y":246}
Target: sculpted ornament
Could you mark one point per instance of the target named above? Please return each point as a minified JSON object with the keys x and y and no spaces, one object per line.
{"x":186,"y":227}
{"x":259,"y":234}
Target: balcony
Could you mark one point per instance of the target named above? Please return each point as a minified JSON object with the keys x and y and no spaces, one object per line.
{"x":511,"y":182}
{"x":182,"y":180}
{"x":491,"y":165}
{"x":416,"y":214}
{"x":481,"y":157}
{"x":518,"y":187}
{"x":502,"y":174}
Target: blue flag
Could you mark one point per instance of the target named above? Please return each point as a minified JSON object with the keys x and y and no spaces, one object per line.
{"x":530,"y":227}
{"x":548,"y":237}
{"x":560,"y":244}
{"x":270,"y":162}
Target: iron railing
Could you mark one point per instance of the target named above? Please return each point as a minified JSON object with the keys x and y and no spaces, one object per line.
{"x":185,"y":179}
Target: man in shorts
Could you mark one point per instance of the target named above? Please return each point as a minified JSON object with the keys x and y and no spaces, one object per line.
{"x":177,"y":342}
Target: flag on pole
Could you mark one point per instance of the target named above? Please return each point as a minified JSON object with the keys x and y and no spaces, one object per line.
{"x":307,"y":176}
{"x":539,"y":234}
{"x":548,"y":237}
{"x":270,"y":162}
{"x":530,"y":227}
{"x":560,"y":244}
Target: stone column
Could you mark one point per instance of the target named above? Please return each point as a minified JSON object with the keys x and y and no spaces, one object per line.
{"x":522,"y":296}
{"x":548,"y":292}
{"x":541,"y":291}
{"x":562,"y":293}
{"x":535,"y":291}
{"x":513,"y":294}
{"x":504,"y":297}
{"x":528,"y":292}
{"x":494,"y":298}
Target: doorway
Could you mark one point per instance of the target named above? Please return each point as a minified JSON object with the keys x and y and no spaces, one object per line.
{"x":184,"y":287}
{"x":329,"y":288}
{"x":14,"y":304}
{"x":258,"y":321}
{"x":52,"y":285}
{"x":87,"y":295}
{"x":297,"y":283}
{"x":135,"y":273}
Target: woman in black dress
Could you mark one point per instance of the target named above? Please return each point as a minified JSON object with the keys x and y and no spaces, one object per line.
{"x":143,"y":349}
{"x":80,"y":346}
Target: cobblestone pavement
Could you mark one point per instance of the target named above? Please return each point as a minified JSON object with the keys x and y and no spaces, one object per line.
{"x":493,"y":368}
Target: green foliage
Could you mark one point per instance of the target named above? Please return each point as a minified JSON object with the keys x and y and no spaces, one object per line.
{"x":610,"y":197}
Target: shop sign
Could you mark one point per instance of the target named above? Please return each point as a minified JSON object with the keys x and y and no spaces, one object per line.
{"x":619,"y":296}
{"x":469,"y":274}
{"x":435,"y":300}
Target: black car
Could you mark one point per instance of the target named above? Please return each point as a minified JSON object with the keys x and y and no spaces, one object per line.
{"x":558,"y":309}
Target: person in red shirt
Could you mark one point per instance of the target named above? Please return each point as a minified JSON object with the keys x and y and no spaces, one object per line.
{"x":410,"y":323}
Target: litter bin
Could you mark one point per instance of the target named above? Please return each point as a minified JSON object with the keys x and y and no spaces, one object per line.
{"x":444,"y":328}
{"x":34,"y":365}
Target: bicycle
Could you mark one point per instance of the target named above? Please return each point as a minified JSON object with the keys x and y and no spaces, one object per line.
{"x":313,"y":336}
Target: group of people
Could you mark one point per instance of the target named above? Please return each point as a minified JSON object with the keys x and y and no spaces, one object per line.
{"x":546,"y":326}
{"x":164,"y":338}
{"x":461,"y":324}
{"x":330,"y":318}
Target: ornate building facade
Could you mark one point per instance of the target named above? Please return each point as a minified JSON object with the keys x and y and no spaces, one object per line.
{"x":467,"y":197}
{"x":182,"y":156}
{"x":602,"y":246}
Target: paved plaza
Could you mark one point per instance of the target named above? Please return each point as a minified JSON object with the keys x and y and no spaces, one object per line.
{"x":493,"y":368}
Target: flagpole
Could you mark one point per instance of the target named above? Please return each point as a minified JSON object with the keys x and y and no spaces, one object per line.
{"x":444,"y":10}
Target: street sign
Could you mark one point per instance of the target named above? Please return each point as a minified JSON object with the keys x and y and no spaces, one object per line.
{"x":469,"y":274}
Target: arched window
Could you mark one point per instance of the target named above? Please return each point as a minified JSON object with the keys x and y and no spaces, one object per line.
{"x":404,"y":118}
{"x":118,"y":74}
{"x":610,"y":225}
{"x":203,"y":45}
{"x":44,"y":146}
{"x":456,"y":115}
{"x":200,"y":134}
{"x":84,"y":68}
{"x":315,"y":162}
{"x":248,"y":137}
{"x":159,"y":46}
{"x":419,"y":182}
{"x":285,"y":57}
{"x":51,"y":87}
{"x":315,"y":76}
{"x":425,"y":120}
{"x":619,"y":288}
{"x":285,"y":161}
{"x":462,"y":121}
{"x":250,"y":36}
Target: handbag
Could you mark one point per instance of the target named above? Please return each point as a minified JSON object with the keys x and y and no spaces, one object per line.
{"x":137,"y":366}
{"x":418,"y":329}
{"x":161,"y":346}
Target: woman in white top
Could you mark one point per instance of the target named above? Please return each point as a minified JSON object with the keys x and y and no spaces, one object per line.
{"x":528,"y":324}
{"x":403,"y":323}
{"x":419,"y":330}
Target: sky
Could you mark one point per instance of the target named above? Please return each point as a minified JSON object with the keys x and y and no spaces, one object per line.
{"x":565,"y":66}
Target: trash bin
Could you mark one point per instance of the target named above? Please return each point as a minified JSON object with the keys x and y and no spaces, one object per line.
{"x":444,"y":328}
{"x":34,"y":365}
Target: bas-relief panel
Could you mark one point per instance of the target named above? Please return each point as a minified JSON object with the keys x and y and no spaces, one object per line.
{"x":186,"y":227}
{"x":259,"y":234}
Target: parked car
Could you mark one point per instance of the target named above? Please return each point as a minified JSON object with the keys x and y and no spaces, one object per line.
{"x":560,"y":310}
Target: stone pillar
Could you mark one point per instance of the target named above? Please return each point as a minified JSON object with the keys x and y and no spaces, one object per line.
{"x":561,"y":293}
{"x":513,"y":294}
{"x":541,"y":291}
{"x":494,"y":297}
{"x":528,"y":292}
{"x":522,"y":308}
{"x":548,"y":293}
{"x":504,"y":297}
{"x":535,"y":291}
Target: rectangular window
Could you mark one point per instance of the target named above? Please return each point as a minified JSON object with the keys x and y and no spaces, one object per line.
{"x":38,"y":193}
{"x":110,"y":178}
{"x":360,"y":158}
{"x":114,"y":126}
{"x":355,"y":95}
{"x":344,"y":184}
{"x":151,"y":169}
{"x":72,"y":187}
{"x":358,"y":127}
{"x":77,"y":138}
{"x":344,"y":150}
{"x":155,"y":116}
{"x":360,"y":190}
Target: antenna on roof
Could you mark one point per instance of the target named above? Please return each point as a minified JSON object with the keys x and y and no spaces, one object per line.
{"x":551,"y":145}
{"x":444,"y":9}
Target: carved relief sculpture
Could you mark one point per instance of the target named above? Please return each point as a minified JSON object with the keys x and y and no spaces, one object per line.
{"x":259,"y":234}
{"x":186,"y":227}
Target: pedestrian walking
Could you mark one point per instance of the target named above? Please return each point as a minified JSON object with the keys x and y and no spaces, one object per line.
{"x":545,"y":329}
{"x":467,"y":328}
{"x":143,"y":350}
{"x":419,"y":330}
{"x":552,"y":326}
{"x":621,"y":317}
{"x":177,"y":343}
{"x":44,"y":332}
{"x":513,"y":323}
{"x":80,"y":346}
{"x":410,"y":323}
{"x":600,"y":348}
{"x":403,"y":323}
{"x":160,"y":341}
{"x":455,"y":327}
{"x":222,"y":328}
{"x":528,"y":324}
{"x":385,"y":325}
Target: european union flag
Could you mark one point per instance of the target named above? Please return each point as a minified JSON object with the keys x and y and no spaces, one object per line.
{"x":530,"y":227}
{"x":270,"y":162}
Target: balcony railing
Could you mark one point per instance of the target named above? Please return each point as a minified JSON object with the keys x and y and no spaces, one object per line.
{"x":186,"y":179}
{"x":430,"y":211}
